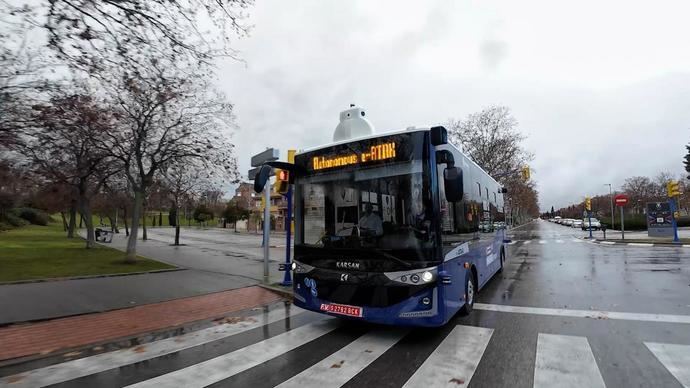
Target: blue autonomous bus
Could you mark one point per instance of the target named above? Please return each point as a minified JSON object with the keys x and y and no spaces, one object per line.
{"x":399,"y":228}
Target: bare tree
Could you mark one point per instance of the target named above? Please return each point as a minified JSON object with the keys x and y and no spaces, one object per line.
{"x":22,"y":72}
{"x":185,"y":179}
{"x":95,"y":35}
{"x":61,"y":149}
{"x":640,"y":189}
{"x":491,"y":138}
{"x":163,"y":120}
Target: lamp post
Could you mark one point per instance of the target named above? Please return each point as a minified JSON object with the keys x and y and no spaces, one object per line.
{"x":613,"y":216}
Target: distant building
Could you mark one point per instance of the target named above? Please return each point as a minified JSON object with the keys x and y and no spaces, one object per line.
{"x":247,"y":198}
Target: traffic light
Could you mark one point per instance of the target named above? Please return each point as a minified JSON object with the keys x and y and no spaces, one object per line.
{"x":672,"y":189}
{"x":282,"y":181}
{"x":588,"y":204}
{"x":525,"y":173}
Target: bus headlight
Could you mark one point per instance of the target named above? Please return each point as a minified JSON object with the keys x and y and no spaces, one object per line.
{"x":294,"y":266}
{"x":427,"y":276}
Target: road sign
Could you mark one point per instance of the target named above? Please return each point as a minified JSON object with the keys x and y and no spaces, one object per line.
{"x":252,"y":173}
{"x":659,"y":219}
{"x":269,"y":155}
{"x":621,"y":200}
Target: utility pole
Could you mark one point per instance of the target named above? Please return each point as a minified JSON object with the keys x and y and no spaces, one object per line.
{"x":613,"y":214}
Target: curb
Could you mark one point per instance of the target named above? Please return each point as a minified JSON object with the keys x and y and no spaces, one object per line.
{"x":91,"y":276}
{"x":636,"y":243}
{"x":278,"y":289}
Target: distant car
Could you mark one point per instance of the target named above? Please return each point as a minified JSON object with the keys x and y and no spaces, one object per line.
{"x":557,"y":219}
{"x":577,"y":224}
{"x":596,"y":225}
{"x":568,"y":222}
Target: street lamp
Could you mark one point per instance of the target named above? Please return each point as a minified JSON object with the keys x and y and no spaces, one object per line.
{"x":613,"y":215}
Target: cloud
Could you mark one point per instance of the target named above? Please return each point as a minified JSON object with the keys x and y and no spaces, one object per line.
{"x":598,"y":104}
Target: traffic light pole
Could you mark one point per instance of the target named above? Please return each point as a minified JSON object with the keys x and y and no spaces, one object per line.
{"x":287,"y":281}
{"x":267,"y":228}
{"x":672,"y":202}
{"x":589,"y":216}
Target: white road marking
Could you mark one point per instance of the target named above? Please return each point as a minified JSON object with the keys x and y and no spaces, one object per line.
{"x":686,"y":246}
{"x":230,"y":364}
{"x":559,"y":241}
{"x":665,"y":318}
{"x":343,"y":365}
{"x":527,"y":242}
{"x":675,"y":358}
{"x":542,"y":241}
{"x":577,"y":240}
{"x":454,"y":361}
{"x":640,"y":245}
{"x":566,"y":361}
{"x":608,"y":243}
{"x":74,"y":369}
{"x":512,"y":242}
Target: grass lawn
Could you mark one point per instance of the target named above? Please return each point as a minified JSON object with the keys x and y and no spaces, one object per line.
{"x":39,"y":252}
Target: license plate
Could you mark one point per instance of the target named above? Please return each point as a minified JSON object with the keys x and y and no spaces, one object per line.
{"x":342,"y":309}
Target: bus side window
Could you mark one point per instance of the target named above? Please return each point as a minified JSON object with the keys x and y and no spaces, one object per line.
{"x":458,"y":218}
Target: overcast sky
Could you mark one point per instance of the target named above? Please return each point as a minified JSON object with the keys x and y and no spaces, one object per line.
{"x":601,"y":90}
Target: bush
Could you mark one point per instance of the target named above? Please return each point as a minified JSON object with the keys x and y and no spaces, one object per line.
{"x":14,"y":220}
{"x":638,"y":222}
{"x":34,"y":216}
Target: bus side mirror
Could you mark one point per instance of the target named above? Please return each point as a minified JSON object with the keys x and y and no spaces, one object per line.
{"x":439,"y":136}
{"x":262,"y":177}
{"x":452,"y":183}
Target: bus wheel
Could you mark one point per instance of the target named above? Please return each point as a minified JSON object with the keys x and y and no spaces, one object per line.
{"x":470,"y":293}
{"x":503,"y":260}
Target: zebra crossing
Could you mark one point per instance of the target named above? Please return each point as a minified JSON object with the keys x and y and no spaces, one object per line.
{"x":566,"y":359}
{"x":545,"y":241}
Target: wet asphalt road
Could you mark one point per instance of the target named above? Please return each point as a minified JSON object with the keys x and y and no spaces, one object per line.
{"x":548,"y":267}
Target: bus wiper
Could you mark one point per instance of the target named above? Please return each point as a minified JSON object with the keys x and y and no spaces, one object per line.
{"x":389,"y":256}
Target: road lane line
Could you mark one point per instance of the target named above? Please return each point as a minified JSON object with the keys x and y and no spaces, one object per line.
{"x":230,"y":364}
{"x":454,"y":361}
{"x":640,"y":245}
{"x":341,"y":366}
{"x":526,"y":242}
{"x":686,"y":245}
{"x":608,"y":243}
{"x":675,"y":358}
{"x":559,"y":241}
{"x":82,"y":367}
{"x":595,"y":314}
{"x":542,"y":241}
{"x":577,"y":240}
{"x":566,"y":361}
{"x":512,"y":242}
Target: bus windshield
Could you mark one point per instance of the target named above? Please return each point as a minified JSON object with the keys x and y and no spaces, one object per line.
{"x":386,"y":209}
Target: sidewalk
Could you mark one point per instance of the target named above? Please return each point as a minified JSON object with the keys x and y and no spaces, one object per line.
{"x":63,"y":334}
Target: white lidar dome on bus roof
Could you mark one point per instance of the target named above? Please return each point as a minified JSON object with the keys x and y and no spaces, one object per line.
{"x":353,"y":123}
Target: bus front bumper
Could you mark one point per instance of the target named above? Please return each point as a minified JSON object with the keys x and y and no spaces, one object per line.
{"x":422,"y":309}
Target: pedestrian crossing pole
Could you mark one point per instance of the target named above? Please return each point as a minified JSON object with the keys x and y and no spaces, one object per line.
{"x":267,"y":228}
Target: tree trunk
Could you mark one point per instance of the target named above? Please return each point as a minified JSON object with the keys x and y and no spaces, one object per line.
{"x":72,"y":219}
{"x":81,"y":220}
{"x":145,"y":236}
{"x":177,"y":225}
{"x":85,"y":209}
{"x":160,"y":219}
{"x":113,"y":224}
{"x":117,"y":230}
{"x":124,"y":217}
{"x":64,"y":221}
{"x":131,"y":256}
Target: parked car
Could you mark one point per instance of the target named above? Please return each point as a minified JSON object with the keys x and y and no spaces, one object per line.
{"x":577,"y":224}
{"x":596,"y":225}
{"x":557,"y":219}
{"x":568,"y":222}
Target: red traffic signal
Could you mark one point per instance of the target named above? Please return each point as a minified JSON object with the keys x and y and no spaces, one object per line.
{"x":283,"y":175}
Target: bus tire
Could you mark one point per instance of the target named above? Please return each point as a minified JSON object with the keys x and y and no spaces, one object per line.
{"x":470,"y":293}
{"x":503,"y":260}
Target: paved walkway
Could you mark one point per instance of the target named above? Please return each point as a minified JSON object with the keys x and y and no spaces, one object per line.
{"x":72,"y":332}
